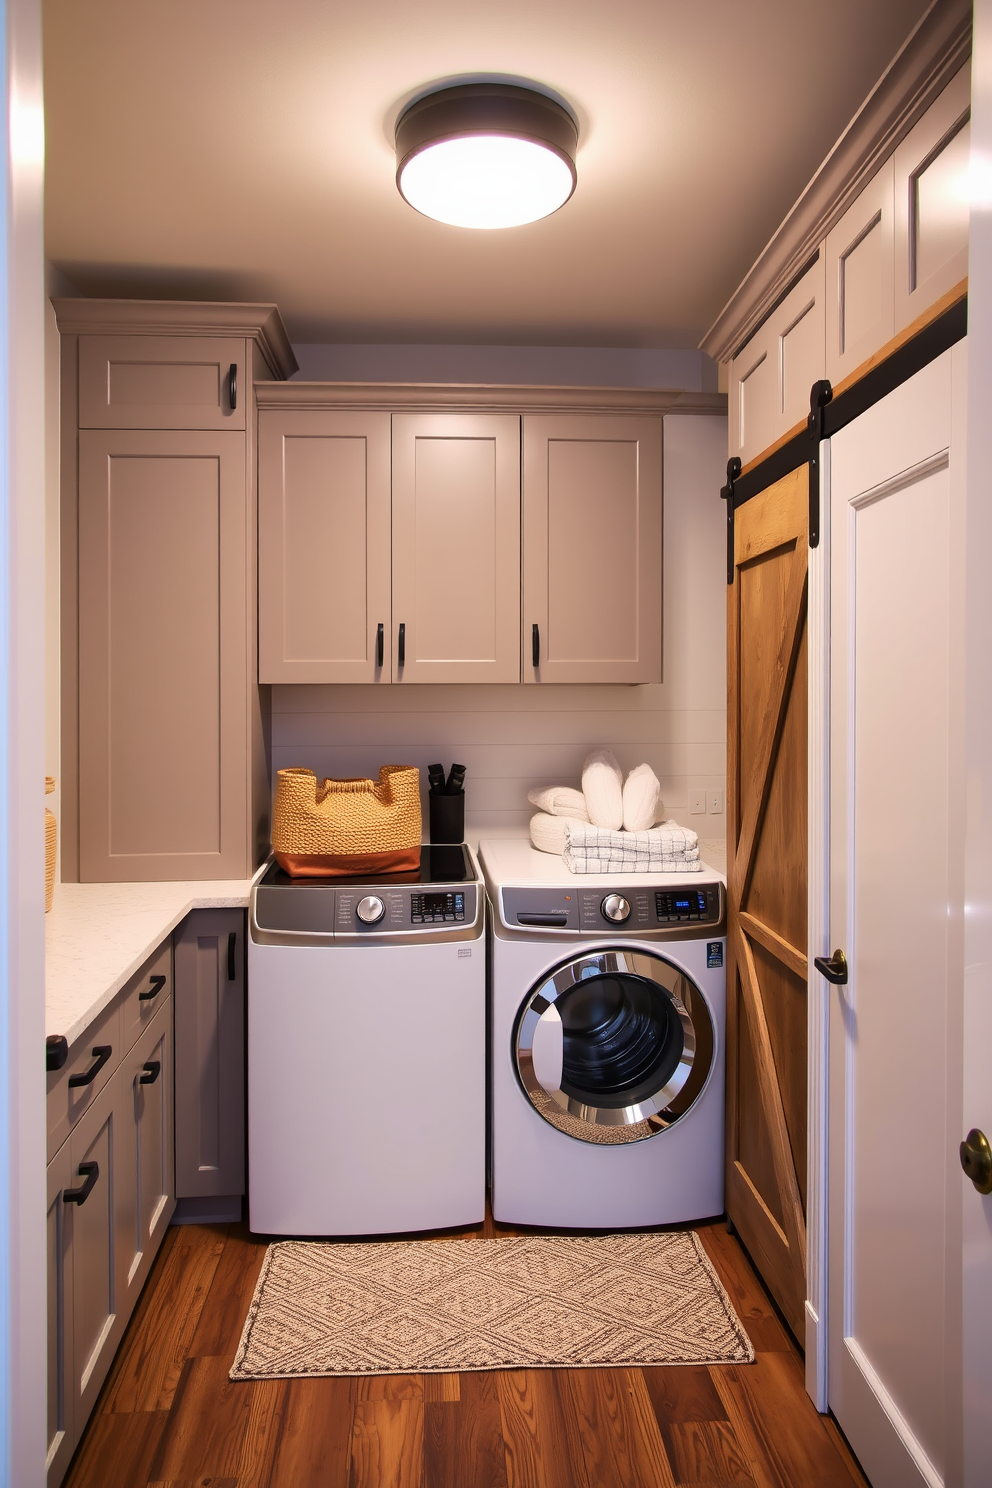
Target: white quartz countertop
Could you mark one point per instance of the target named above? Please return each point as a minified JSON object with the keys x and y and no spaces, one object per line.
{"x":99,"y":935}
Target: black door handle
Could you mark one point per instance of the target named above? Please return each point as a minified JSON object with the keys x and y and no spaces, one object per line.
{"x":91,"y":1172}
{"x":232,"y":386}
{"x":103,"y":1053}
{"x":535,"y":646}
{"x":380,"y":644}
{"x":152,"y":1069}
{"x":232,"y":946}
{"x":834,"y":968}
{"x":56,"y":1051}
{"x":158,"y":982}
{"x":401,"y":652}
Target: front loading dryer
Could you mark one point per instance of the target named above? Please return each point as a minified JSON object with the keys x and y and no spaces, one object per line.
{"x":607,"y":1015}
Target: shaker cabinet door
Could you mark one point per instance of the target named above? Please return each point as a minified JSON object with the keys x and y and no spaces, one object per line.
{"x":147,"y":1159}
{"x":163,"y":685}
{"x":210,"y":1054}
{"x":61,"y":1438}
{"x":323,"y":546}
{"x":592,"y":549}
{"x":99,"y":1278}
{"x":456,"y":548}
{"x":162,"y":382}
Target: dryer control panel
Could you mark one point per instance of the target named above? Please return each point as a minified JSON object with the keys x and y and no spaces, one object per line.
{"x":622,"y":910}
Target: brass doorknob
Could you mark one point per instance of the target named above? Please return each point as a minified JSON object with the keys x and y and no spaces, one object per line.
{"x":976,"y":1159}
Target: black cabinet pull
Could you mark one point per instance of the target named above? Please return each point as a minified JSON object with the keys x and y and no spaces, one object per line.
{"x":91,"y":1172}
{"x":152,"y":1068}
{"x":232,"y":386}
{"x":834,"y":968}
{"x":380,"y":644}
{"x":56,"y":1051}
{"x":535,"y":646}
{"x":401,"y":653}
{"x":232,"y":945}
{"x":158,"y":982}
{"x":103,"y":1053}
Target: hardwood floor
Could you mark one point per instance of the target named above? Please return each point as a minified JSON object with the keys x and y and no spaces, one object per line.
{"x":169,"y":1417}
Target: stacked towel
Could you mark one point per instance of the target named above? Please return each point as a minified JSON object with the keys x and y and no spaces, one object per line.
{"x":665,"y":849}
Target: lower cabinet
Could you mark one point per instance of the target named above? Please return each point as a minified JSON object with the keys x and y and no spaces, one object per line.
{"x":210,"y":1054}
{"x":110,"y":1198}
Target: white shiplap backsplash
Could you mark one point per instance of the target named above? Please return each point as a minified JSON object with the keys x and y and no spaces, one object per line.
{"x":512,"y":738}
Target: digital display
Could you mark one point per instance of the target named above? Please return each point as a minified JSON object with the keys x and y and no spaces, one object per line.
{"x":426,"y":909}
{"x":683,"y":904}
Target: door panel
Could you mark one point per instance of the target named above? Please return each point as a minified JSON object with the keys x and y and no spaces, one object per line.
{"x":766,"y":975}
{"x":147,"y":1197}
{"x":859,"y":289}
{"x":210,"y":1054}
{"x":162,"y":673}
{"x":161,"y":382}
{"x":98,"y":1319}
{"x":894,"y":643}
{"x":592,"y":557}
{"x":456,"y":546}
{"x":323,"y":546}
{"x":61,"y":1436}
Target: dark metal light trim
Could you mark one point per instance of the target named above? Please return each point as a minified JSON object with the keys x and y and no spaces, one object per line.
{"x":486,"y":108}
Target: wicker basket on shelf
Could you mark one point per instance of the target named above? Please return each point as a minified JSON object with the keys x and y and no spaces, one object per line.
{"x":51,"y":845}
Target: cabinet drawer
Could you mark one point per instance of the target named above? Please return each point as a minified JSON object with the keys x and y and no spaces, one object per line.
{"x":161,"y":382}
{"x":67,"y":1103}
{"x":146,"y":992}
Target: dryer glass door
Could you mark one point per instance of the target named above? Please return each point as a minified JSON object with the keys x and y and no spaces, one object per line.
{"x":614,"y":1047}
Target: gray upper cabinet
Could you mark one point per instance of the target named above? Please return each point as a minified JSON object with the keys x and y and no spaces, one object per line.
{"x":210,"y":1054}
{"x":323,"y":546}
{"x":860,"y":271}
{"x":456,"y":548}
{"x":592,"y":508}
{"x":164,"y":727}
{"x":163,"y":680}
{"x":162,"y":382}
{"x":931,"y":218}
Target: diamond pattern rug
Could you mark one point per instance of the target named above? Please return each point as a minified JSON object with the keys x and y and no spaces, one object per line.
{"x":524,"y":1302}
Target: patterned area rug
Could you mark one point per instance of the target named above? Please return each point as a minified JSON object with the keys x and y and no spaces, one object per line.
{"x":527,"y":1302}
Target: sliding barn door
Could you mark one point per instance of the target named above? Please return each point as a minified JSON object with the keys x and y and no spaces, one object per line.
{"x":766,"y":968}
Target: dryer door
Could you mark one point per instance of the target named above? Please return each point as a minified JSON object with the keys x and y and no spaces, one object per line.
{"x":614,"y":1046}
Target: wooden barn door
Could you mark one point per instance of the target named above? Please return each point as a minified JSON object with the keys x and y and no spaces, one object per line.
{"x":766,"y":825}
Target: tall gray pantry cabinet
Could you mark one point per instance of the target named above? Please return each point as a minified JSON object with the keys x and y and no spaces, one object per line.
{"x":164,"y":724}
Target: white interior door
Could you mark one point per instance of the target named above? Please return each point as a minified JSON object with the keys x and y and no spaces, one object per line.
{"x":896,"y":848}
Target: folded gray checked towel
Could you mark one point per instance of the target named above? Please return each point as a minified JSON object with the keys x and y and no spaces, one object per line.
{"x":665,"y":849}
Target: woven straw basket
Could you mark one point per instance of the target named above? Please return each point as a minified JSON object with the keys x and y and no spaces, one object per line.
{"x":51,"y":845}
{"x":332,"y":828}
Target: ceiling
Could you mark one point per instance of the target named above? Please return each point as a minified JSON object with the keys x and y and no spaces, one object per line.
{"x":241,"y":149}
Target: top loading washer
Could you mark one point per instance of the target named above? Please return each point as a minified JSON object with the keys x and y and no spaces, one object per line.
{"x":366,"y":1050}
{"x":607,"y":1001}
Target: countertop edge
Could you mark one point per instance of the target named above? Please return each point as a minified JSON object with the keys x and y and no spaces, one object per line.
{"x":172,"y":915}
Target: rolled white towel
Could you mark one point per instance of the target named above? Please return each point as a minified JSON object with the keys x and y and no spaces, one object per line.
{"x":602,"y":787}
{"x":641,"y":794}
{"x":548,"y":833}
{"x":559,"y":800}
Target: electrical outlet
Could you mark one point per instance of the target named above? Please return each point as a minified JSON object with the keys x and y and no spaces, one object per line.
{"x":697,"y":800}
{"x":714,"y":802}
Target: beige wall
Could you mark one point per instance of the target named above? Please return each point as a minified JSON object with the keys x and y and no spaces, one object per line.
{"x":514,"y":737}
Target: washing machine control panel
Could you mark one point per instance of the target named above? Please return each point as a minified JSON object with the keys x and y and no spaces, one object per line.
{"x":622,"y":910}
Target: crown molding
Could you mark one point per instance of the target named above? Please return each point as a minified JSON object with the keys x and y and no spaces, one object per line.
{"x":937,"y":49}
{"x":399,"y":397}
{"x":85,"y":317}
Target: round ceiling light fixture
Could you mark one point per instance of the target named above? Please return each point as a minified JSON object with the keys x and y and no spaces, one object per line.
{"x":486,"y":155}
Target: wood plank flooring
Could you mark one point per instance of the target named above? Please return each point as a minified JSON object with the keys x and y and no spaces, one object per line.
{"x":169,"y":1417}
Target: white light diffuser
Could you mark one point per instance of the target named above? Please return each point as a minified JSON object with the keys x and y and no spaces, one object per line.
{"x":486,"y":181}
{"x":486,"y":155}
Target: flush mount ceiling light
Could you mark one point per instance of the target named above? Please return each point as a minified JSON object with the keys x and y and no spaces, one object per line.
{"x":486,"y":155}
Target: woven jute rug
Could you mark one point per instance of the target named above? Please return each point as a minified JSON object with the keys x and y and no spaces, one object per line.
{"x":526,"y":1302}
